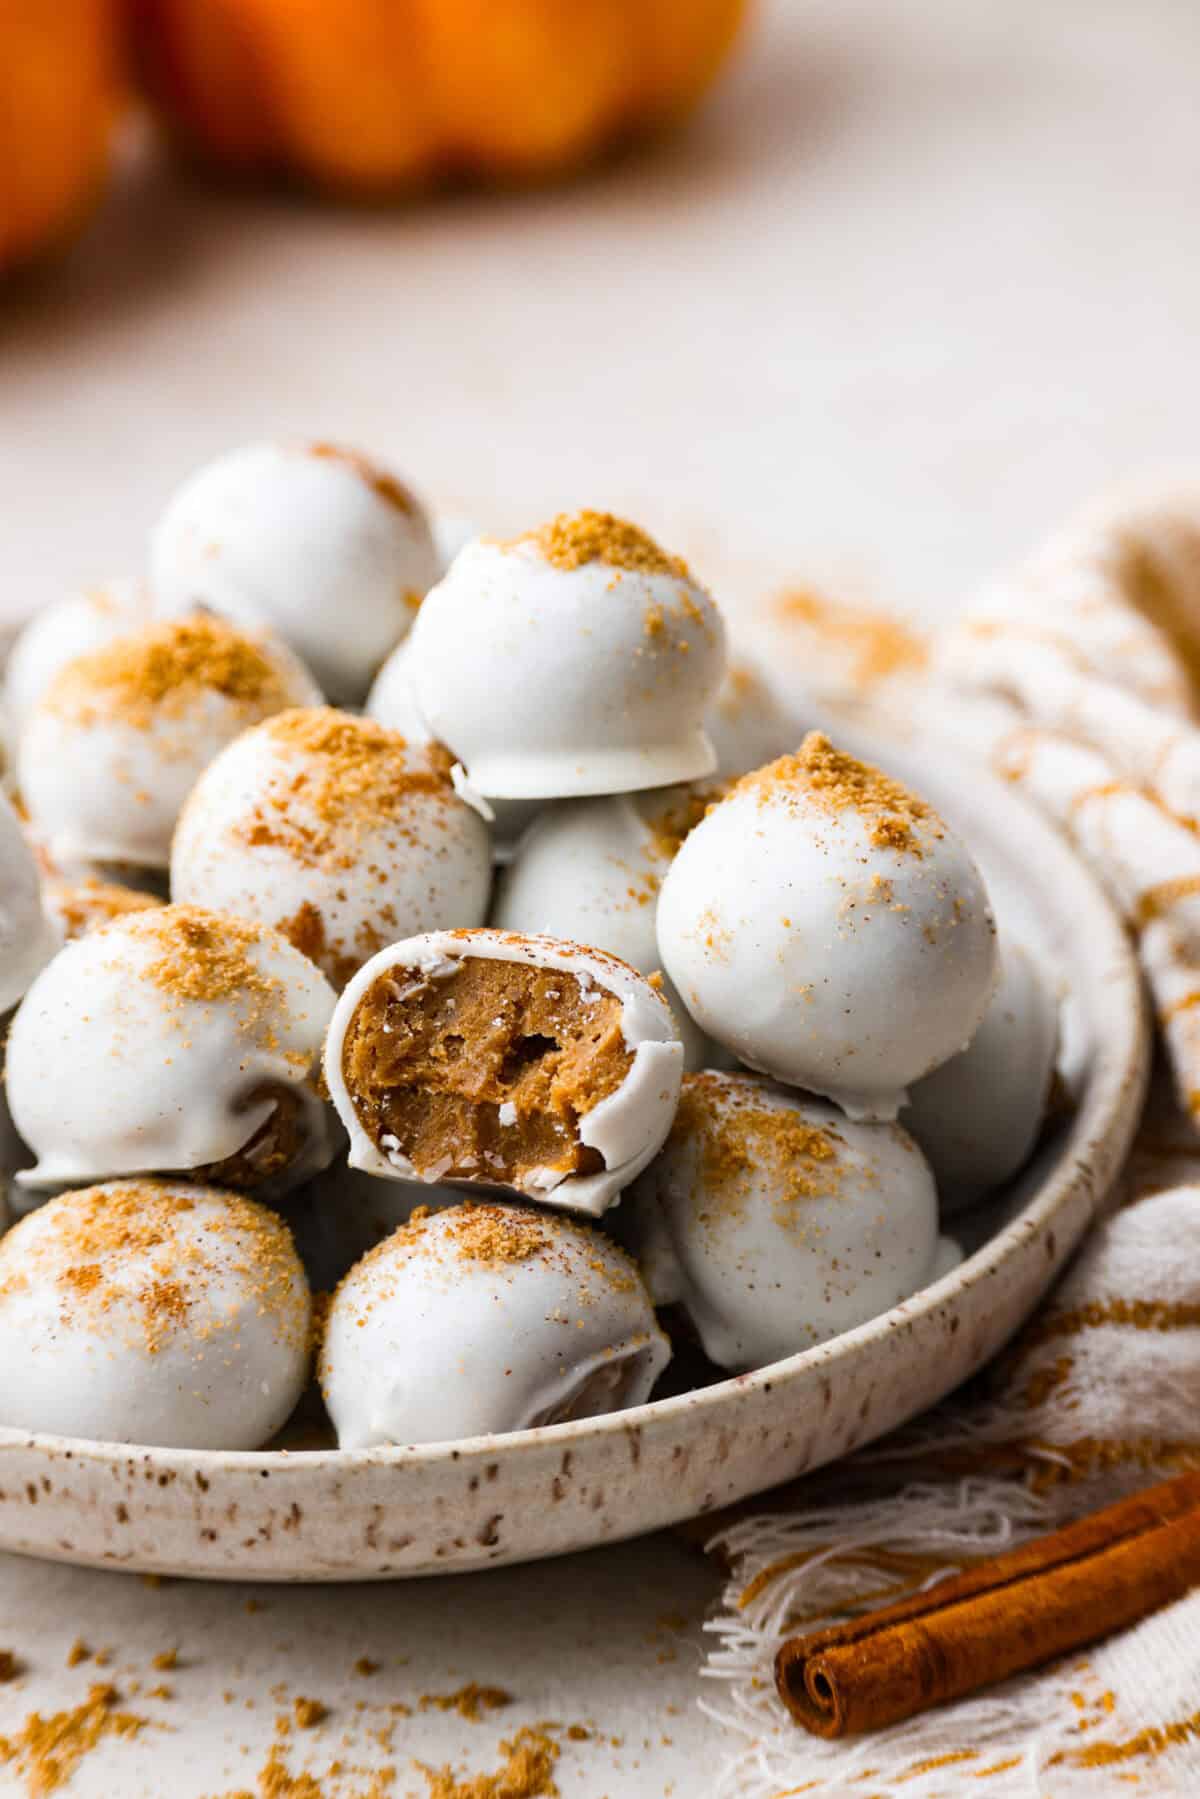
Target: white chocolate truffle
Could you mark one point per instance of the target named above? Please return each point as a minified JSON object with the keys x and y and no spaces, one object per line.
{"x":576,"y":659}
{"x":119,"y":739}
{"x":168,"y":1041}
{"x":147,"y":1312}
{"x":590,"y":870}
{"x":28,"y":934}
{"x":775,"y":1222}
{"x":335,"y":831}
{"x":519,"y":1063}
{"x":747,"y":723}
{"x":826,"y":926}
{"x":392,"y":702}
{"x":977,"y":1117}
{"x":315,"y":541}
{"x":60,"y":632}
{"x":482,"y":1319}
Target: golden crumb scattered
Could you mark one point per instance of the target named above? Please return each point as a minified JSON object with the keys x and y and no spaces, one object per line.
{"x":877,"y":643}
{"x":82,"y":906}
{"x":527,"y":1772}
{"x":679,"y":816}
{"x":165,"y":1660}
{"x":745,"y":1143}
{"x":470,"y":1701}
{"x":47,"y":1751}
{"x":495,"y":1233}
{"x":10,"y":1666}
{"x":78,"y":1652}
{"x":575,"y":538}
{"x":309,"y":1713}
{"x":819,"y":773}
{"x":365,"y":1667}
{"x":164,"y":669}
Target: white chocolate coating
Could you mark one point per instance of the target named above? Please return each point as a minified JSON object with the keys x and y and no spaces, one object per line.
{"x":58,"y":633}
{"x":551,"y":682}
{"x":819,"y":951}
{"x":775,"y":1222}
{"x":331,"y":829}
{"x":315,"y":542}
{"x":437,"y":1335}
{"x":747,"y":723}
{"x":152,"y":1313}
{"x":164,"y":1042}
{"x":977,"y":1117}
{"x":590,"y":871}
{"x":104,"y":769}
{"x":626,"y":1129}
{"x":393,"y":703}
{"x":342,"y":1213}
{"x":28,"y":934}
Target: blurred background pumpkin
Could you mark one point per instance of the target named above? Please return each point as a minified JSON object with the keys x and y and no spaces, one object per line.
{"x":58,"y":99}
{"x":362,"y":97}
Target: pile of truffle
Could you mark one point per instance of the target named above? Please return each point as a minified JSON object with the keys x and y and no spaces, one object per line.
{"x":458,"y":976}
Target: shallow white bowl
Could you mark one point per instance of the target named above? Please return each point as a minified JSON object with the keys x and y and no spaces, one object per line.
{"x":326,"y":1515}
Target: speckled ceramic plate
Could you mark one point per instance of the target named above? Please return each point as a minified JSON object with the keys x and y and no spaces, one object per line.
{"x":324,"y":1515}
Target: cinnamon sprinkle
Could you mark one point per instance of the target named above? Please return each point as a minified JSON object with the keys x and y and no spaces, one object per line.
{"x":574,"y":539}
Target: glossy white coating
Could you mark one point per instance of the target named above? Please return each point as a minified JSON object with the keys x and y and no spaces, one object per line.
{"x":776,"y":1222}
{"x":105,"y":770}
{"x":29,"y":935}
{"x":977,"y":1117}
{"x":334,"y":831}
{"x":315,"y":541}
{"x":57,"y":633}
{"x":747,"y":723}
{"x":142,"y":1312}
{"x":116,"y":1067}
{"x":438,"y":1334}
{"x":626,"y":1129}
{"x":590,"y":870}
{"x":821,"y":955}
{"x":550,"y":682}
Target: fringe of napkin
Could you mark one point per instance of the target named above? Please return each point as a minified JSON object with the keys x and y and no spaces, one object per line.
{"x":1076,"y":678}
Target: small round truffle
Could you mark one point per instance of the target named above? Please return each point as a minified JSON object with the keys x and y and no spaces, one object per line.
{"x":28,"y":934}
{"x":392,"y":702}
{"x":590,"y":870}
{"x":977,"y":1117}
{"x":776,"y":1222}
{"x":173,"y":1040}
{"x":747,"y":723}
{"x":118,"y":740}
{"x":826,"y":926}
{"x":315,"y":541}
{"x":147,"y":1312}
{"x":521,"y":1063}
{"x":60,"y":632}
{"x":335,"y":831}
{"x":577,"y":659}
{"x":482,"y":1319}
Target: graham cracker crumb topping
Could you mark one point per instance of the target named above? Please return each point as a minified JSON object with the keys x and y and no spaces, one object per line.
{"x":160,"y":672}
{"x":896,"y":818}
{"x":745,"y":1142}
{"x":575,"y":538}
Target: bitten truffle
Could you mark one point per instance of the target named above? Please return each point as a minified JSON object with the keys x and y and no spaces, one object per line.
{"x":505,"y":1061}
{"x":486,"y":1318}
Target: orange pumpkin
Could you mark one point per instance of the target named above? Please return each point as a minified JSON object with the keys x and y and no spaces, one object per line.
{"x":58,"y":93}
{"x":364,"y":96}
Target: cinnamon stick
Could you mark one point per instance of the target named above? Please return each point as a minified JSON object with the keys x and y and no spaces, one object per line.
{"x":1003,"y":1617}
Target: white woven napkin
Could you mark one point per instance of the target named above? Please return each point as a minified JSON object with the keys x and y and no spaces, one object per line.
{"x":1077,"y":678}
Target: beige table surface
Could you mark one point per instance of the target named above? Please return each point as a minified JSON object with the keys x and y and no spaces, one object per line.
{"x":923,"y":276}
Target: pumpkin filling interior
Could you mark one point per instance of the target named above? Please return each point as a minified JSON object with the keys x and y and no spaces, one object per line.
{"x":484,"y":1073}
